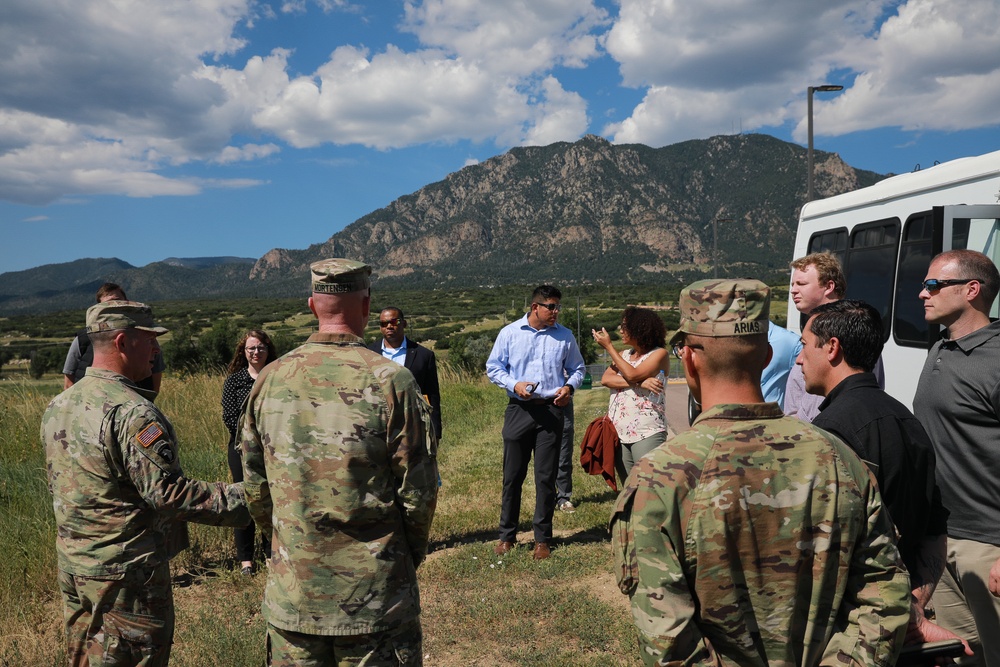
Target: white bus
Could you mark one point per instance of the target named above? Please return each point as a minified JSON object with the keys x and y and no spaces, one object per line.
{"x":885,"y":236}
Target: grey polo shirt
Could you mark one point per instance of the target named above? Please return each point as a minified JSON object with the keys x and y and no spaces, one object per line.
{"x":958,"y":403}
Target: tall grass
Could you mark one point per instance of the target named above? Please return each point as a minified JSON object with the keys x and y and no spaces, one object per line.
{"x":478,"y":609}
{"x":27,"y":529}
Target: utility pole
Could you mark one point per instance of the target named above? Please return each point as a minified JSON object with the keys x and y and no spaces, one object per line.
{"x":578,"y":319}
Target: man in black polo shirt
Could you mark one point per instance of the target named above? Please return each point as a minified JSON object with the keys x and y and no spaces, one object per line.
{"x":841,"y":343}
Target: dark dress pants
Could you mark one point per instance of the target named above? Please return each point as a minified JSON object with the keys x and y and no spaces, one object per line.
{"x":244,"y":537}
{"x":564,"y":478}
{"x":530,"y":427}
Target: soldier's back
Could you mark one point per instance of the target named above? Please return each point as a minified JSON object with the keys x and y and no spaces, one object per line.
{"x":767,"y":514}
{"x":328,"y":415}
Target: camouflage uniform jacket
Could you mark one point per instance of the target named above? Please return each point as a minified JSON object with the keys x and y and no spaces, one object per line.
{"x":119,"y":494}
{"x":759,"y":539}
{"x":340,"y":469}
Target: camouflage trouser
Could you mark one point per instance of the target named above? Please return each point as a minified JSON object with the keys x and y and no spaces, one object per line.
{"x":399,"y":647}
{"x":119,"y":622}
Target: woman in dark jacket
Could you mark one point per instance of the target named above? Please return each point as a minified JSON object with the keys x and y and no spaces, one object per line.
{"x":255,"y":350}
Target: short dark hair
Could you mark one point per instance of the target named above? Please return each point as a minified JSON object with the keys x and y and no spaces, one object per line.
{"x":858,"y":327}
{"x":543,"y":292}
{"x":974,"y":264}
{"x":395,"y":310}
{"x":645,"y":328}
{"x":106,"y":289}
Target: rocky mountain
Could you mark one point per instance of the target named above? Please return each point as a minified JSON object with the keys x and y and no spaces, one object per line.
{"x":569,"y":213}
{"x":587,"y":212}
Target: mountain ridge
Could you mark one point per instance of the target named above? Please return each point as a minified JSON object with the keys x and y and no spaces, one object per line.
{"x":591,"y":210}
{"x":579,"y":212}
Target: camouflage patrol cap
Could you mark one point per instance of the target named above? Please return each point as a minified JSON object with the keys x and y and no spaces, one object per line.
{"x":115,"y":315}
{"x":339,"y":276}
{"x":719,"y":308}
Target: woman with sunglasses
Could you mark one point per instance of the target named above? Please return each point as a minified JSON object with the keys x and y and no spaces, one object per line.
{"x":636,"y":405}
{"x":254,"y":351}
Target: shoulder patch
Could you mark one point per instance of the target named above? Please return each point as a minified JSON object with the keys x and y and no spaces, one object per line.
{"x":149,"y":435}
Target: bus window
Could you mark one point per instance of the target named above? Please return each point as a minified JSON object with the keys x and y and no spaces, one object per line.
{"x":909,"y":326}
{"x":833,"y":241}
{"x":870,"y":264}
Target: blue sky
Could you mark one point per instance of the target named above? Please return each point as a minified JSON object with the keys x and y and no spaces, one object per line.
{"x":230,"y":127}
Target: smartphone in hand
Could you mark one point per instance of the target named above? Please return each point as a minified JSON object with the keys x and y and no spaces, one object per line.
{"x":930,"y":653}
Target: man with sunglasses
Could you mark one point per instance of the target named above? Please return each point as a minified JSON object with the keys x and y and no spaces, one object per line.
{"x":396,"y":346}
{"x":537,"y":361}
{"x":958,"y":402}
{"x":754,"y":538}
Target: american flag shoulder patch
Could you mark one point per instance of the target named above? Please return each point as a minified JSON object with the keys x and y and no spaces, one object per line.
{"x":149,"y":435}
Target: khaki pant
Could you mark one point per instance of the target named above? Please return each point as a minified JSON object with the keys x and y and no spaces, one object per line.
{"x":963,"y":603}
{"x":399,"y":647}
{"x":123,"y":622}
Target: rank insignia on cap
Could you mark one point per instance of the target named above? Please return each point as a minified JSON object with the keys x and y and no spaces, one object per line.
{"x":149,"y":435}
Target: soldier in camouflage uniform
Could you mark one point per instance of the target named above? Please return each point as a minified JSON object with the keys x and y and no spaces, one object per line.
{"x":340,"y":469}
{"x":754,"y":538}
{"x":121,"y":499}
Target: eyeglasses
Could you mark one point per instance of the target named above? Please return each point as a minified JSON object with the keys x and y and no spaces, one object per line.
{"x":933,"y":284}
{"x":550,"y":306}
{"x":394,"y":322}
{"x":676,"y":349}
{"x":259,"y":348}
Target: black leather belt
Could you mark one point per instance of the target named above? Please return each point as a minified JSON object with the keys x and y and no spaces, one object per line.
{"x":533,"y":401}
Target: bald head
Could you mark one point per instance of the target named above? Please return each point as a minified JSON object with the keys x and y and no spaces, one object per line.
{"x":341,"y":313}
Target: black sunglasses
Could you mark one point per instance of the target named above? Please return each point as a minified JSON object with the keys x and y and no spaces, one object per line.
{"x":933,"y":284}
{"x":549,"y":306}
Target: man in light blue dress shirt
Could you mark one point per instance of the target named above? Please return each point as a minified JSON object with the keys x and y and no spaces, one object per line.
{"x":785,"y":347}
{"x":537,"y":361}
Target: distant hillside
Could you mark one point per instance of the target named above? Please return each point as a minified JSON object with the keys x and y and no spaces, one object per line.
{"x":73,"y":285}
{"x":587,"y":212}
{"x":206,"y":262}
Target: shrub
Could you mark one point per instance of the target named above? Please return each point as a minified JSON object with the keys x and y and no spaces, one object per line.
{"x":46,"y":359}
{"x":470,"y":352}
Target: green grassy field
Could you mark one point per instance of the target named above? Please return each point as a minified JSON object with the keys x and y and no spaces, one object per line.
{"x":478,"y":609}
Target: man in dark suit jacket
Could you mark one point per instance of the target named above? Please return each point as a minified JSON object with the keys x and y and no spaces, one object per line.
{"x":417,"y":359}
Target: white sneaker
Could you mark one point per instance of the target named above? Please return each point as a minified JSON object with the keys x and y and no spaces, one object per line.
{"x":565,"y":506}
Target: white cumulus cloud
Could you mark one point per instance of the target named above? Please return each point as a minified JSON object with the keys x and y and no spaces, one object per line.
{"x":518,"y":38}
{"x":934,"y":66}
{"x":113,"y":96}
{"x":708,"y":68}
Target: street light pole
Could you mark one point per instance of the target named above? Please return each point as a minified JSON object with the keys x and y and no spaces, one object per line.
{"x":826,"y":88}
